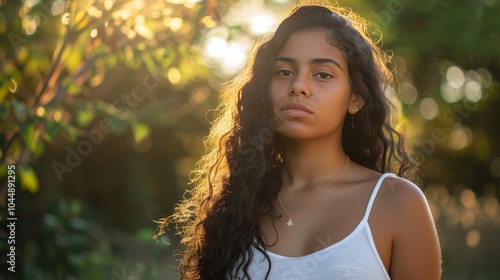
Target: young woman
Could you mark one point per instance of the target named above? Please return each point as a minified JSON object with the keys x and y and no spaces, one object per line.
{"x":297,"y":181}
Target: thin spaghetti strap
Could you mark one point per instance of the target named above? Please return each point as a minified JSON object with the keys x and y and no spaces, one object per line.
{"x":374,"y":194}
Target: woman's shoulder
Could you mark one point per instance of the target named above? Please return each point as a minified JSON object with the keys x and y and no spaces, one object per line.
{"x":395,"y":193}
{"x":400,"y":191}
{"x":402,"y":200}
{"x":415,"y":250}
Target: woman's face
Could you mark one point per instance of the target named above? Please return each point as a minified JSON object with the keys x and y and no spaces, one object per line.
{"x":310,"y":88}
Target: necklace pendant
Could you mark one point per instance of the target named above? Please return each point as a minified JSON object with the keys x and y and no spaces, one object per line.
{"x":289,"y":223}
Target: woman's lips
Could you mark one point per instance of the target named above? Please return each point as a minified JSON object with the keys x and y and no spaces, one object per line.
{"x":296,"y":110}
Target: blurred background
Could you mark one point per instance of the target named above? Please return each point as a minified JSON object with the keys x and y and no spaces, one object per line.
{"x":104,"y":105}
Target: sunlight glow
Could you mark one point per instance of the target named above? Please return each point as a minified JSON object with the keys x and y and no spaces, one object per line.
{"x":208,"y":21}
{"x":174,"y":75}
{"x":216,"y":47}
{"x":473,"y":238}
{"x":428,"y":108}
{"x":460,"y":138}
{"x":94,"y":12}
{"x":57,"y":116}
{"x":235,"y":57}
{"x":450,"y":93}
{"x":486,"y":77}
{"x":468,"y":198}
{"x":40,"y":111}
{"x":13,"y":85}
{"x":30,"y":27}
{"x":138,"y":4}
{"x":93,"y":33}
{"x":455,"y":76}
{"x":175,"y":24}
{"x":144,"y":31}
{"x":57,"y":7}
{"x":65,"y":19}
{"x":262,"y":23}
{"x":108,"y":4}
{"x":473,"y":91}
{"x":409,"y":93}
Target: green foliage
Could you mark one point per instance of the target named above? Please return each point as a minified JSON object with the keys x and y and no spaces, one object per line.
{"x":57,"y":55}
{"x":72,"y":244}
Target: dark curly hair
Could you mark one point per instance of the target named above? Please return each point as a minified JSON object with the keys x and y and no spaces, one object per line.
{"x":238,"y":179}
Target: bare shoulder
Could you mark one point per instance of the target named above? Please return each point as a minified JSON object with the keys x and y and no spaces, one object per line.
{"x":400,"y":194}
{"x":403,"y":201}
{"x":415,"y":245}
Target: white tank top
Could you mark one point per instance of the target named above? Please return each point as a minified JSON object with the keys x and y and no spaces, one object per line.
{"x":353,"y":258}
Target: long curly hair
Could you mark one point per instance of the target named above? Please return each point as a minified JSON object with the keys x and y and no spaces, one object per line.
{"x":236,"y":182}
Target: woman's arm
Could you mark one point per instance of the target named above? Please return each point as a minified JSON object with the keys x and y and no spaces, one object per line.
{"x":415,"y":249}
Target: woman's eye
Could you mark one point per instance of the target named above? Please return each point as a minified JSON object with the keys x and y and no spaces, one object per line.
{"x":324,"y":75}
{"x":284,"y":73}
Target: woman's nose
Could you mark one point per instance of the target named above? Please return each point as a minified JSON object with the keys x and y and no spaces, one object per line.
{"x":300,"y":87}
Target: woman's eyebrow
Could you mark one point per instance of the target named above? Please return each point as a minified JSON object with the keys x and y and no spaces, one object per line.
{"x":312,"y":61}
{"x":285,"y":59}
{"x":326,"y":60}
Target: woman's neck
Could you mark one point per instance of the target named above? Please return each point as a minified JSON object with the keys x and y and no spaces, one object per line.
{"x":306,"y":162}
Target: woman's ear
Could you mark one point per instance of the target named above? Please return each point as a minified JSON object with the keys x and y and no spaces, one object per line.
{"x":356,"y":103}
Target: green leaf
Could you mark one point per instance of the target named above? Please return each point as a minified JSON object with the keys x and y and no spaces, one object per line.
{"x":3,"y":170}
{"x":144,"y":234}
{"x":70,"y":132}
{"x":150,"y":63}
{"x":75,"y":207}
{"x":110,"y":60}
{"x":3,"y":92}
{"x":85,"y":116}
{"x":20,"y":110}
{"x":117,"y":124}
{"x":31,"y":135}
{"x":141,"y":131}
{"x":3,"y":110}
{"x":74,"y":59}
{"x":51,"y":130}
{"x":113,"y":115}
{"x":28,"y":179}
{"x":36,"y":145}
{"x":74,"y":89}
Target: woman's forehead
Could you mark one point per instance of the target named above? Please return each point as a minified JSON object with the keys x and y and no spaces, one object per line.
{"x":311,"y":44}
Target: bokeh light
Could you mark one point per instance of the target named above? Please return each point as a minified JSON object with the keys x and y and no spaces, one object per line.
{"x":455,"y":76}
{"x":495,"y":167}
{"x":409,"y":93}
{"x":460,"y":138}
{"x":428,"y":108}
{"x":262,"y":23}
{"x":473,"y":91}
{"x":450,"y":93}
{"x":473,"y":238}
{"x":227,"y":53}
{"x":216,"y":48}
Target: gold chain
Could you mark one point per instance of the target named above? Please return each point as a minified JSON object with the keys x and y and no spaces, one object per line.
{"x":290,"y":218}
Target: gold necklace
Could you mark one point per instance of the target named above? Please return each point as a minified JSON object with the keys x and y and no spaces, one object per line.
{"x":290,"y":218}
